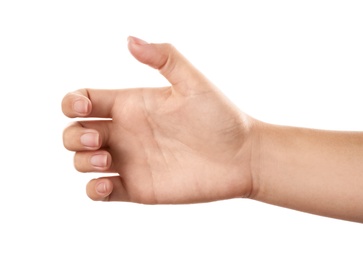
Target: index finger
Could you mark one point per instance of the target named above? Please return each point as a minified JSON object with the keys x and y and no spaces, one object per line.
{"x":89,"y":103}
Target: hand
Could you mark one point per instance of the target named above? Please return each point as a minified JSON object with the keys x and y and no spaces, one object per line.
{"x":185,"y":143}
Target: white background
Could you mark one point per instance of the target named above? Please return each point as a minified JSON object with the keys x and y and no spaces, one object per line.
{"x":285,"y":62}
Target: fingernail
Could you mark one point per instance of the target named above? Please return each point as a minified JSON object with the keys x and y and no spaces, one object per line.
{"x":80,"y":106}
{"x":136,"y":40}
{"x":101,"y":187}
{"x":90,"y":139}
{"x":99,"y":160}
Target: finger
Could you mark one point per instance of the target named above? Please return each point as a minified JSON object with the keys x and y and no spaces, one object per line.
{"x":89,"y":103}
{"x":171,"y":64}
{"x":107,"y":189}
{"x":93,"y":161}
{"x":87,"y":135}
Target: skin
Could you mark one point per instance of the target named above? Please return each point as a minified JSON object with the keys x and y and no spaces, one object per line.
{"x":188,"y":143}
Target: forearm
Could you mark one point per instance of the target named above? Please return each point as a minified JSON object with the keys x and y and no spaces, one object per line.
{"x":319,"y":172}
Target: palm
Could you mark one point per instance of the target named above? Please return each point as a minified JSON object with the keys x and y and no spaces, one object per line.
{"x":169,"y":148}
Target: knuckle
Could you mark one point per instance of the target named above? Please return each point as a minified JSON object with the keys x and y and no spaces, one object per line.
{"x":77,"y":162}
{"x":67,"y":136}
{"x":66,"y":140}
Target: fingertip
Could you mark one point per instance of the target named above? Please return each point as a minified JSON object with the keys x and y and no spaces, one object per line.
{"x":142,"y":50}
{"x":103,"y":188}
{"x":134,"y":40}
{"x":81,"y":106}
{"x":76,"y":105}
{"x":99,"y":189}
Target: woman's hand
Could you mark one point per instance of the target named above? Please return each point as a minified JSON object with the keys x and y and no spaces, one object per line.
{"x":185,"y":143}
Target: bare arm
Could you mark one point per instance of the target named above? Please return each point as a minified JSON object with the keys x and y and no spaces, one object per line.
{"x":315,"y":171}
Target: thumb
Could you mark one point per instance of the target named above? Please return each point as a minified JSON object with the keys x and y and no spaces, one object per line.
{"x":171,"y":64}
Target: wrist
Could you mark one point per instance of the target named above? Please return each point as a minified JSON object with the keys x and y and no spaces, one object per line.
{"x":255,"y":137}
{"x":248,"y":156}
